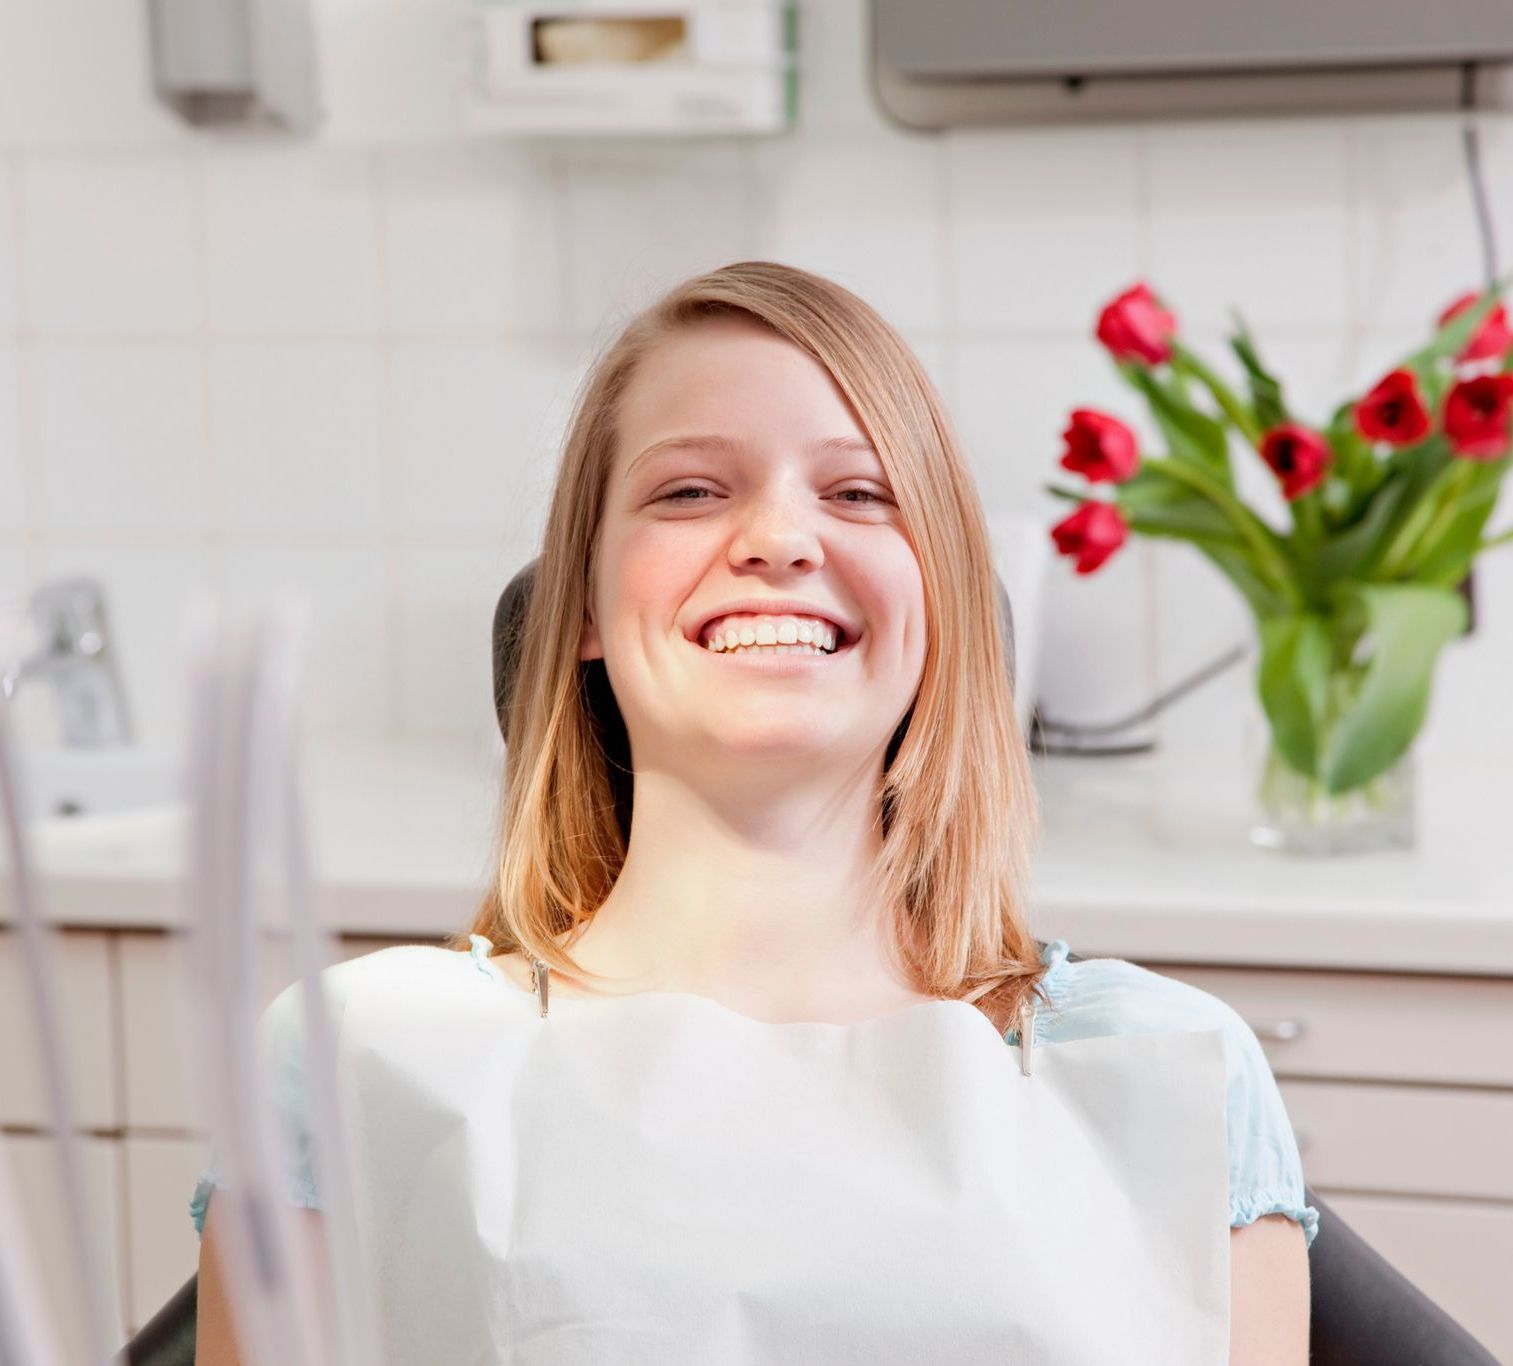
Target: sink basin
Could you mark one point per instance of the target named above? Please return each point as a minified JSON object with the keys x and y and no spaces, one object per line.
{"x":64,"y":782}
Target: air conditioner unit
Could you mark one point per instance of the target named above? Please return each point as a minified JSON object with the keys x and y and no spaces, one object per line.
{"x":956,"y":62}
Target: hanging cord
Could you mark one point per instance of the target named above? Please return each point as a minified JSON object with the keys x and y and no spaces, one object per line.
{"x":1044,"y":729}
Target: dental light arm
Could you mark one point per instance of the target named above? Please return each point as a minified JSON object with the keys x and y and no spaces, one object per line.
{"x":23,"y":1312}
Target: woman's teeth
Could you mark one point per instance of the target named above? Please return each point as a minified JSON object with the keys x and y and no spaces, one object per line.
{"x":771,"y":650}
{"x":786,"y":635}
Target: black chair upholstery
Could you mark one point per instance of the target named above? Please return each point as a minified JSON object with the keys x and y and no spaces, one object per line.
{"x":1363,"y":1312}
{"x":167,"y":1339}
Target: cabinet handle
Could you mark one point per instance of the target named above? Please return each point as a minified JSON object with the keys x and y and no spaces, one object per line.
{"x":1282,"y":1031}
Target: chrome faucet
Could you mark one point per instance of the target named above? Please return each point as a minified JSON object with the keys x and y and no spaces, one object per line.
{"x":77,"y":658}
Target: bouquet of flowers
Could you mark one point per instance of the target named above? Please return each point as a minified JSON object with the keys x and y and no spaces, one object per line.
{"x":1355,"y":597}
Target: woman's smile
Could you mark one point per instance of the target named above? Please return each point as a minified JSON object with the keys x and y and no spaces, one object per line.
{"x":767,"y":660}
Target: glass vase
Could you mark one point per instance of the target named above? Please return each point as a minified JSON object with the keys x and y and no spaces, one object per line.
{"x":1296,"y":813}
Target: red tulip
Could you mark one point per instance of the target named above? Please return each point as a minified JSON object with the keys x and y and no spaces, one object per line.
{"x":1393,"y":411}
{"x":1099,"y":447}
{"x":1476,"y":416}
{"x":1297,"y":456}
{"x":1492,"y":338}
{"x":1136,"y":327}
{"x":1091,"y":534}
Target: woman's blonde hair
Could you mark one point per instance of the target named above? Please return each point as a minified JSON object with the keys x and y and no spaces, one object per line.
{"x":959,"y":812}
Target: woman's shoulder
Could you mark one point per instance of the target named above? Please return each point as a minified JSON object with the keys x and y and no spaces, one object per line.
{"x":1091,"y":997}
{"x":397,"y":977}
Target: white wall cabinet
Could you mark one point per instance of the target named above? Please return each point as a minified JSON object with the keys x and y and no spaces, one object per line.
{"x":1400,"y":1091}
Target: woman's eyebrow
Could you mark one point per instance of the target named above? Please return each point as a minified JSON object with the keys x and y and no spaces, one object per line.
{"x":857,"y":444}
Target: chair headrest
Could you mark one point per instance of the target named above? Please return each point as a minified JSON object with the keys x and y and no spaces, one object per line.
{"x":509,"y":628}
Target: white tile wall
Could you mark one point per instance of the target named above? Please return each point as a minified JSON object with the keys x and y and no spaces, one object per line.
{"x":1042,"y":229}
{"x":473,"y":239}
{"x":475,"y":425}
{"x":119,"y":438}
{"x":863,"y":210}
{"x":348,"y":680}
{"x":110,"y":242}
{"x":638,"y":218}
{"x":10,"y":262}
{"x":297,"y":430}
{"x":1417,"y":241}
{"x":292,"y":238}
{"x":345,"y":362}
{"x":13,"y":486}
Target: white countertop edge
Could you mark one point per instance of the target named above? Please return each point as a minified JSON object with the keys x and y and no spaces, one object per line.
{"x":1406,"y":939}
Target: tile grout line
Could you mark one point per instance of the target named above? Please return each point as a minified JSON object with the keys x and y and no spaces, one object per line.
{"x":211,"y":465}
{"x":35,"y":538}
{"x":379,"y":186}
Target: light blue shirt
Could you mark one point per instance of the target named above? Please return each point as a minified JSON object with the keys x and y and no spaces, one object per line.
{"x":1089,"y":999}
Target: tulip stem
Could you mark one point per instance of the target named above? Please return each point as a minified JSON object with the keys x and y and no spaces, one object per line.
{"x":1440,"y":497}
{"x":1244,"y":522}
{"x":1307,"y":517}
{"x":1226,"y":397}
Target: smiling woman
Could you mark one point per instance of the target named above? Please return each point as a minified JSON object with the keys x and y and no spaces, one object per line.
{"x":810,"y":1089}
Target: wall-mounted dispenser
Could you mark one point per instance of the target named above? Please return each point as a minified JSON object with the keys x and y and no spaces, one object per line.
{"x":634,"y":67}
{"x":236,"y":63}
{"x":958,"y":62}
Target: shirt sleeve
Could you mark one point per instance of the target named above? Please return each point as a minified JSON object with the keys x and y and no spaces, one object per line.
{"x":1265,"y":1168}
{"x":1097,"y":996}
{"x":281,"y":1035}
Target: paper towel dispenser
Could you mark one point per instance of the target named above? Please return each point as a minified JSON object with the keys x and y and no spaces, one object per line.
{"x":956,"y":62}
{"x":236,"y":63}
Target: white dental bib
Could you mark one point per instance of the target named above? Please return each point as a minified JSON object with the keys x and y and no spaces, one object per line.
{"x":656,"y":1178}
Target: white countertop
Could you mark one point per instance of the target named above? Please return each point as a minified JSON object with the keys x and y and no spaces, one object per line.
{"x":1142,"y":857}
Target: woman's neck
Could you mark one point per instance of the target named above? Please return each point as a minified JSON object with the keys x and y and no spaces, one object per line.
{"x":769,"y":910}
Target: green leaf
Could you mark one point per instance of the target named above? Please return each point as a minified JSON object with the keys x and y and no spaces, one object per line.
{"x":1190,"y":434}
{"x":1342,"y":555}
{"x":1420,"y":467}
{"x":1293,"y":681}
{"x":1265,"y":389}
{"x":1407,"y":625}
{"x":1152,"y":498}
{"x":1454,"y":538}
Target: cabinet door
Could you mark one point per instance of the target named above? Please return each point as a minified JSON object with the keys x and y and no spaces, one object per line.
{"x":158,"y":1061}
{"x":162,"y":1249}
{"x":39,"y":1185}
{"x":1376,"y":1026}
{"x":1413,"y":1140}
{"x":1457,"y":1252}
{"x":83,"y":963}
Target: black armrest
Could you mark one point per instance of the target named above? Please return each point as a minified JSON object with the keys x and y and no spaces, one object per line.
{"x":1365,"y":1310}
{"x":167,"y":1339}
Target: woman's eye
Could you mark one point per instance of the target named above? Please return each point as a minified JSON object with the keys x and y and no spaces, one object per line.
{"x":676,"y":495}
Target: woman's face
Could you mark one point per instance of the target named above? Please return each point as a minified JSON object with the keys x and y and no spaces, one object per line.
{"x":772,"y":492}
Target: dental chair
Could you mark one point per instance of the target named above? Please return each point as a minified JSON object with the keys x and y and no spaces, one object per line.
{"x":1363,"y":1312}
